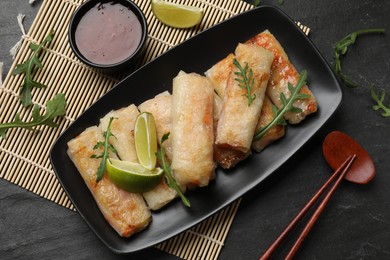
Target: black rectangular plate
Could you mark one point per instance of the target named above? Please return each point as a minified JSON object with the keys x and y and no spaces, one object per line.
{"x":197,"y":55}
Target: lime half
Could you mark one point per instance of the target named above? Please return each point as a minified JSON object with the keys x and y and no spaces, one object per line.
{"x":145,"y":138}
{"x":177,"y":15}
{"x":133,"y":177}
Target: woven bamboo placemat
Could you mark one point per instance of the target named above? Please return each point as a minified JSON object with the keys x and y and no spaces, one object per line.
{"x":25,"y":154}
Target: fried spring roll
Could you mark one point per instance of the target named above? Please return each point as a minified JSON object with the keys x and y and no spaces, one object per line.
{"x":218,"y":75}
{"x":283,"y":71}
{"x":126,"y":212}
{"x":217,"y":111}
{"x":192,"y":130}
{"x":238,"y":120}
{"x":273,"y":134}
{"x":160,"y":108}
{"x":122,"y":127}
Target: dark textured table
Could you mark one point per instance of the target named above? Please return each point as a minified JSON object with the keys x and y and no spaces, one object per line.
{"x":356,"y":223}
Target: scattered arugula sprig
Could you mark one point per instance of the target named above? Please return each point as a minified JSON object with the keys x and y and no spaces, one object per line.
{"x":106,"y":148}
{"x":54,"y":108}
{"x":341,"y":48}
{"x":245,"y":80}
{"x":27,"y":67}
{"x":256,"y":3}
{"x":168,"y":174}
{"x":287,"y":105}
{"x":379,"y":102}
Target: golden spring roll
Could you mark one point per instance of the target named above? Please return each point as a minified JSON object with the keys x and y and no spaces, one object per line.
{"x":217,"y":110}
{"x":192,"y":130}
{"x":126,"y":212}
{"x":218,"y":75}
{"x":283,"y":71}
{"x":122,"y":127}
{"x":274,"y":133}
{"x":123,"y":130}
{"x":238,"y":120}
{"x":160,"y":108}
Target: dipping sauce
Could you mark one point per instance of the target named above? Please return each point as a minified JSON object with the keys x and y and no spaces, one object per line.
{"x":108,"y":33}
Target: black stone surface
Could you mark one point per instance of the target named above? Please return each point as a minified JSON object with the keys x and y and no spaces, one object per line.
{"x":356,"y":223}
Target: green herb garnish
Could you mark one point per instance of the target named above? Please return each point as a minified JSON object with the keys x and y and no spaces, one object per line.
{"x":245,"y":80}
{"x":379,"y":102}
{"x":27,"y":67}
{"x":168,"y":174}
{"x":256,"y":3}
{"x":106,"y":148}
{"x":287,"y":105}
{"x":341,"y":48}
{"x":54,"y":108}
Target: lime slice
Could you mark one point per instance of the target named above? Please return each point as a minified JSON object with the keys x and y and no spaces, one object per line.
{"x":145,"y":138}
{"x":133,"y":177}
{"x":177,"y":15}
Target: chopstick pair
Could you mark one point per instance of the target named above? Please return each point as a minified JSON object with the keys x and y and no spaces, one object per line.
{"x":343,"y":169}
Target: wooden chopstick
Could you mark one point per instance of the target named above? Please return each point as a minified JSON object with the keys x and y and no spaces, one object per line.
{"x":343,"y":169}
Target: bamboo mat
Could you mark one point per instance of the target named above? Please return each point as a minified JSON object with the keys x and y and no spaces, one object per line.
{"x":24,"y":155}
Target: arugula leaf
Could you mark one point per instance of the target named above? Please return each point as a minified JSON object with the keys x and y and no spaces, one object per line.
{"x":379,"y":102}
{"x":54,"y":108}
{"x":27,"y":67}
{"x":106,"y":148}
{"x":256,"y":3}
{"x":341,"y":49}
{"x":287,"y":106}
{"x":245,"y":80}
{"x":168,"y":174}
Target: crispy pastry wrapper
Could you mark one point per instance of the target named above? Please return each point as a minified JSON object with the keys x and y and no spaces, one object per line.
{"x":160,"y":108}
{"x":272,"y":134}
{"x":283,"y":71}
{"x":122,"y":128}
{"x":192,"y":133}
{"x":218,"y":75}
{"x":126,"y":212}
{"x":238,"y":120}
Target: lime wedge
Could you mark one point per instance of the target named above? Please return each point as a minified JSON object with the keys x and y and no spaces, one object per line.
{"x":177,"y":15}
{"x":133,"y":177}
{"x":145,"y":138}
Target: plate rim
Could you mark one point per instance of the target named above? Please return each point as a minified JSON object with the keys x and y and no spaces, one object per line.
{"x":260,"y":9}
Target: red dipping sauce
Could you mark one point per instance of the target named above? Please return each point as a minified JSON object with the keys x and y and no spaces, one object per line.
{"x":108,"y":33}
